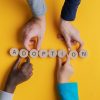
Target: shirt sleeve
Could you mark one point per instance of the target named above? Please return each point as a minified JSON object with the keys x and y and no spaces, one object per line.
{"x":68,"y":91}
{"x":5,"y":96}
{"x":38,"y":7}
{"x":69,"y":10}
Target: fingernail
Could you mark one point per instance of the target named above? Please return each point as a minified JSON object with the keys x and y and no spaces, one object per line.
{"x":69,"y":49}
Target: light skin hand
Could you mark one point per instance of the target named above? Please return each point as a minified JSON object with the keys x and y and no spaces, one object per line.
{"x":70,"y":34}
{"x":34,"y":28}
{"x":18,"y":75}
{"x":64,"y":71}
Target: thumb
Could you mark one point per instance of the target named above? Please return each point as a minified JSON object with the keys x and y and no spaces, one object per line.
{"x":81,"y":45}
{"x":40,"y":39}
{"x":17,"y":64}
{"x":68,"y":42}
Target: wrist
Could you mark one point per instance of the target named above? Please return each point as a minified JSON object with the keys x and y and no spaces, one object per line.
{"x":38,"y":18}
{"x":62,"y":80}
{"x":10,"y":88}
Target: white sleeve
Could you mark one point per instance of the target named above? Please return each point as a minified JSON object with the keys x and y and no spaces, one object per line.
{"x":6,"y":95}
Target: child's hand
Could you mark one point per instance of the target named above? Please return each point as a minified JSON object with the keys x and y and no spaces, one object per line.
{"x":64,"y":71}
{"x":70,"y":35}
{"x":34,"y":28}
{"x":18,"y":75}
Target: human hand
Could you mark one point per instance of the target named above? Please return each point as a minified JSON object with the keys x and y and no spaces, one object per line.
{"x":34,"y":28}
{"x":70,"y":35}
{"x":64,"y":70}
{"x":18,"y":75}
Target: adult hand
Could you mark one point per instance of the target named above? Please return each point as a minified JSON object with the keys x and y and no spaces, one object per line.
{"x":64,"y":71}
{"x":18,"y":75}
{"x":70,"y":35}
{"x":34,"y":28}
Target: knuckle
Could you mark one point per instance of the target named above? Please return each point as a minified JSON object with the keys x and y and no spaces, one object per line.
{"x":26,"y":77}
{"x":25,"y":74}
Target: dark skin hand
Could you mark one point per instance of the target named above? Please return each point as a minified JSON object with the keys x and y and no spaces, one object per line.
{"x":18,"y":75}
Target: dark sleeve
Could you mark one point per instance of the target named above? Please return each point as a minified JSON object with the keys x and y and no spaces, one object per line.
{"x":69,"y":10}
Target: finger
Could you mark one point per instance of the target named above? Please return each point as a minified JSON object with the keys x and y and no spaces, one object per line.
{"x":59,"y":61}
{"x":40,"y":38}
{"x":30,"y":69}
{"x":59,"y":36}
{"x":27,"y":43}
{"x":81,"y":44}
{"x":26,"y":64}
{"x":78,"y":39}
{"x":17,"y":64}
{"x":68,"y":42}
{"x":30,"y":75}
{"x":27,"y":67}
{"x":69,"y":45}
{"x":73,"y":42}
{"x":68,"y":60}
{"x":27,"y":60}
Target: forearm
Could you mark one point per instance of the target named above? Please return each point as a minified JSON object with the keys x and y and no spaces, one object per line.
{"x":69,"y":10}
{"x":38,"y":7}
{"x":68,"y":91}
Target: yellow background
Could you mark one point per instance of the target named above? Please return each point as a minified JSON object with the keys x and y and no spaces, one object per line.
{"x":15,"y":13}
